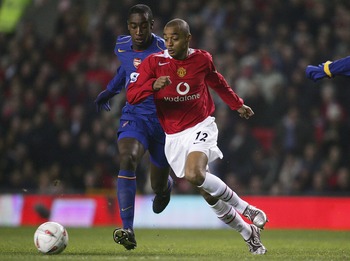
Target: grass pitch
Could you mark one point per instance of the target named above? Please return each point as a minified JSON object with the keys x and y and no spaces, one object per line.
{"x":160,"y":244}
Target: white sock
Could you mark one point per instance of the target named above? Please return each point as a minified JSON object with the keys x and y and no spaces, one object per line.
{"x":218,"y":189}
{"x":227,"y":214}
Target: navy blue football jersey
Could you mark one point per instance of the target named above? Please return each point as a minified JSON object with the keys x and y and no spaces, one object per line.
{"x":130,"y":60}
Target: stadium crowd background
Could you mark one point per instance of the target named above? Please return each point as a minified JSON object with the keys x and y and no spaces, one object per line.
{"x":52,"y":140}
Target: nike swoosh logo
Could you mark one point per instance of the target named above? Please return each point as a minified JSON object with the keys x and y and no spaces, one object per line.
{"x":125,"y":123}
{"x":124,"y":209}
{"x":161,"y":64}
{"x":121,"y":51}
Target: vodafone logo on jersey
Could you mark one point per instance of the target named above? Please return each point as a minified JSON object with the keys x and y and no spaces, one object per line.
{"x":179,"y":88}
{"x":182,"y":88}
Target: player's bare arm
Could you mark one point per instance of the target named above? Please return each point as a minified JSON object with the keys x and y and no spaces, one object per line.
{"x":161,"y":83}
{"x":245,"y":112}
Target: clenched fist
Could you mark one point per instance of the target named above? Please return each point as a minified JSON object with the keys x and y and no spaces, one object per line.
{"x":161,"y":83}
{"x":245,"y":112}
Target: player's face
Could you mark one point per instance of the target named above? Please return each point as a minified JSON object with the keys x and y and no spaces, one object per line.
{"x":176,"y":41}
{"x":140,"y":29}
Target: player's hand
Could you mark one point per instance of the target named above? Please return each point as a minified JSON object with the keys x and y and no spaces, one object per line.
{"x":102,"y":100}
{"x":161,"y":83}
{"x":245,"y":112}
{"x":315,"y":73}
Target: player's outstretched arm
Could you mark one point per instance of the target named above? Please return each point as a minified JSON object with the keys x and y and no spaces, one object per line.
{"x":329,"y":69}
{"x":102,"y":100}
{"x":114,"y":87}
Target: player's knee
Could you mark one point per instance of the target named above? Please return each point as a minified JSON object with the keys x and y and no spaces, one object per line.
{"x":194,"y":176}
{"x":128,"y":161}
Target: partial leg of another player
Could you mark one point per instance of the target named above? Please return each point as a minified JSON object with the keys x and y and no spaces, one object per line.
{"x":161,"y":180}
{"x":162,"y":184}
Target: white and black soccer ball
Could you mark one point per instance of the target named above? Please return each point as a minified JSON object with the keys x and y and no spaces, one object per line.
{"x":51,"y":238}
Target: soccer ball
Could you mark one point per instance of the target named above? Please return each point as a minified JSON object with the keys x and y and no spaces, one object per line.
{"x":51,"y":238}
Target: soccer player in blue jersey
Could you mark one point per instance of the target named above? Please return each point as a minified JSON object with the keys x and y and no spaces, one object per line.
{"x":329,"y":69}
{"x":139,"y":128}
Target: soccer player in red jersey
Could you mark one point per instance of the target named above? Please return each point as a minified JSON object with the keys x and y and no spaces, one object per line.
{"x":178,"y":78}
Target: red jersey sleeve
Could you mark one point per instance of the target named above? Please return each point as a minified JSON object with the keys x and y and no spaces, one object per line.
{"x":141,"y":83}
{"x":217,"y":82}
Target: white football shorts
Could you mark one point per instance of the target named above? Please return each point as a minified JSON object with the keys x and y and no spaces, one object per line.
{"x":201,"y":137}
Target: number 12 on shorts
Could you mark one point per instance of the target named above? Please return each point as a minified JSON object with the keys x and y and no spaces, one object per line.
{"x":201,"y":137}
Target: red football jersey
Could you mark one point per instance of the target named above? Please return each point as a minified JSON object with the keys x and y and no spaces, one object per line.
{"x":187,"y":100}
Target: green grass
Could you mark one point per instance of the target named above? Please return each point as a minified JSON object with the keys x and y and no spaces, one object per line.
{"x":159,"y":244}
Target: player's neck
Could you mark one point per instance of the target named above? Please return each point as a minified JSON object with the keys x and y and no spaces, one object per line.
{"x":184,"y":56}
{"x":144,"y":46}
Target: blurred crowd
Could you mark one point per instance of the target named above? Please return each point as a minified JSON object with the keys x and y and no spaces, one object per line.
{"x":52,"y":140}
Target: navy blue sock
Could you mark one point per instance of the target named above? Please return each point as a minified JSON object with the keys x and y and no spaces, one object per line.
{"x":126,"y":191}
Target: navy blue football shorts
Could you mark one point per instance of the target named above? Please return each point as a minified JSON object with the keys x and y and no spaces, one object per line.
{"x":148,"y":131}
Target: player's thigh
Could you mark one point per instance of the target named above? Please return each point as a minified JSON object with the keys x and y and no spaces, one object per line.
{"x":132,"y":136}
{"x":195,"y":167}
{"x":130,"y":147}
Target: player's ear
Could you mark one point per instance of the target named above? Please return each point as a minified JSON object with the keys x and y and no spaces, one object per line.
{"x":189,"y":37}
{"x":152,"y":23}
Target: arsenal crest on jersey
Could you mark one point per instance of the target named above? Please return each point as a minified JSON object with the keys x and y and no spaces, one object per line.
{"x":137,"y":62}
{"x":181,"y":72}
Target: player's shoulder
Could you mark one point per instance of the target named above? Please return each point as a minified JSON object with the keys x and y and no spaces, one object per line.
{"x":202,"y":54}
{"x":123,"y":44}
{"x":158,"y":55}
{"x":158,"y":38}
{"x":158,"y":42}
{"x":123,"y":39}
{"x":155,"y":58}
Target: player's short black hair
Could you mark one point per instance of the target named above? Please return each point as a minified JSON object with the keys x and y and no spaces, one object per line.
{"x":181,"y":24}
{"x":141,"y":9}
